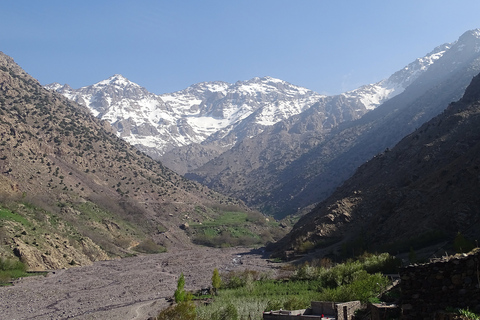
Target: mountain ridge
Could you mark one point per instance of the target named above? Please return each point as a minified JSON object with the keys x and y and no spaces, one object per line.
{"x":73,"y":192}
{"x":425,"y":186}
{"x":210,"y":102}
{"x":327,"y":131}
{"x":209,"y":118}
{"x":318,"y":161}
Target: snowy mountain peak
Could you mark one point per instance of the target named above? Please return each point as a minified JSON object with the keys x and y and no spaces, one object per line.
{"x":54,"y":86}
{"x":226,"y":113}
{"x":162,"y":122}
{"x":212,"y":86}
{"x":117,"y":80}
{"x":373,"y":95}
{"x":267,"y":86}
{"x":265,"y":80}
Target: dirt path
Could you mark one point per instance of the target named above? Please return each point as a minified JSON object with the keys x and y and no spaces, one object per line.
{"x":130,"y":288}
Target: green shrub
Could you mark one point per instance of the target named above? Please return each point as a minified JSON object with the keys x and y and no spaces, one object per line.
{"x":274,"y":305}
{"x":239,"y":279}
{"x":295,"y":303}
{"x":149,"y":246}
{"x":230,"y":312}
{"x":468,"y":314}
{"x":11,"y":269}
{"x":363,"y":287}
{"x":382,"y":262}
{"x":182,"y":311}
{"x":11,"y":264}
{"x":305,"y":246}
{"x":305,"y":272}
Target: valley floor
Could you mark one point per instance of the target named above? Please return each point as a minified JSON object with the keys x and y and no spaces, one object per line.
{"x":130,"y":288}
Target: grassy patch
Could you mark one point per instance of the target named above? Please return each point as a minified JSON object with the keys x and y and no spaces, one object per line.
{"x":225,"y":219}
{"x":227,"y":229}
{"x":6,"y":214}
{"x":11,"y":269}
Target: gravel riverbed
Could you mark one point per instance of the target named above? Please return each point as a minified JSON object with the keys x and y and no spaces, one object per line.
{"x":123,"y":289}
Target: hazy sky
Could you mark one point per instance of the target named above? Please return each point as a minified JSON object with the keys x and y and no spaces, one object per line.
{"x":165,"y":46}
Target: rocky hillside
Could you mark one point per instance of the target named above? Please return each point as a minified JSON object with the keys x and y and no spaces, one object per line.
{"x":71,"y":191}
{"x":424,"y":189}
{"x":300,"y":161}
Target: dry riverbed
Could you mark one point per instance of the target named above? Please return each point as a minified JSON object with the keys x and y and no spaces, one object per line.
{"x":130,"y":288}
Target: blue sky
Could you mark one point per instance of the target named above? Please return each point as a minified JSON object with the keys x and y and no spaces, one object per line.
{"x":165,"y":46}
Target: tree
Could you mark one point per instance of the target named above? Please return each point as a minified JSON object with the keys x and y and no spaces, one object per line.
{"x":180,"y":292}
{"x":216,"y":280}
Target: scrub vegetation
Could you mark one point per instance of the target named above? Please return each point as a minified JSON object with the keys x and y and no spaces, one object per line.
{"x":11,"y":269}
{"x":247,"y":294}
{"x":234,"y":228}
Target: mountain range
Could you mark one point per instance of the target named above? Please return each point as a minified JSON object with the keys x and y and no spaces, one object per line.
{"x":226,"y":136}
{"x":218,"y":112}
{"x":421,"y":192}
{"x":218,"y":115}
{"x":279,"y":148}
{"x":297,"y":163}
{"x":300,"y":161}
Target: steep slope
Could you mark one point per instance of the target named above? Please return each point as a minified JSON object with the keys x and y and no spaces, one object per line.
{"x":311,"y":161}
{"x":73,"y":191}
{"x":426,"y":185}
{"x":373,"y":95}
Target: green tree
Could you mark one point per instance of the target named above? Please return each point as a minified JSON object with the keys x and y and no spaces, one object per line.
{"x":216,"y":280}
{"x":180,"y":292}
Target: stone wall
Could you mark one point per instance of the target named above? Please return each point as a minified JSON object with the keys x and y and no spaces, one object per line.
{"x":380,"y":311}
{"x":430,"y":288}
{"x":340,"y":311}
{"x":284,"y":315}
{"x":346,"y":310}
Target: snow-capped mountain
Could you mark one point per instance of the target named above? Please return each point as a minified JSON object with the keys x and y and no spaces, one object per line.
{"x":373,"y":95}
{"x":212,"y":117}
{"x":162,"y":122}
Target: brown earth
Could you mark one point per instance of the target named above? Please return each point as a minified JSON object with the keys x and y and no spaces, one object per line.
{"x":130,"y":288}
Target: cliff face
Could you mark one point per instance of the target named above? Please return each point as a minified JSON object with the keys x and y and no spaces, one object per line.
{"x":427,"y":184}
